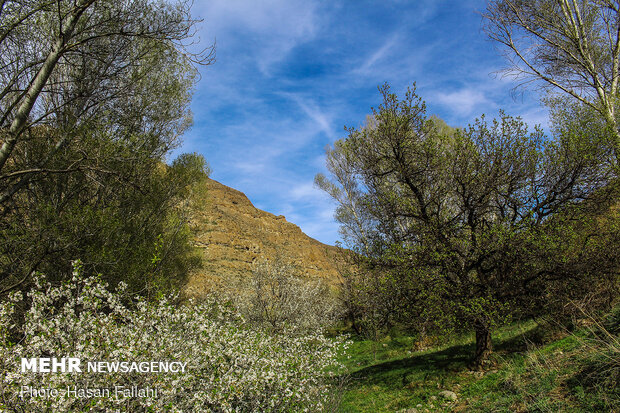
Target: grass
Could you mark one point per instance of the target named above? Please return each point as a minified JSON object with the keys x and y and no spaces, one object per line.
{"x":533,"y":370}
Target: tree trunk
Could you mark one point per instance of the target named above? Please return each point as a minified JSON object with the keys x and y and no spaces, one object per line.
{"x":38,"y":83}
{"x":484,"y":345}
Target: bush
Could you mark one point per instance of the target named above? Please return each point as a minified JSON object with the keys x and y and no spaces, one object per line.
{"x":277,"y":298}
{"x":230,"y":366}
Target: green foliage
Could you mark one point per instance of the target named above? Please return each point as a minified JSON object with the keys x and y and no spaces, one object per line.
{"x":130,"y":224}
{"x":455,"y":223}
{"x":82,"y":148}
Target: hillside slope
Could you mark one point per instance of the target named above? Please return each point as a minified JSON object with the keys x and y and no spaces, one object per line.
{"x":231,"y":234}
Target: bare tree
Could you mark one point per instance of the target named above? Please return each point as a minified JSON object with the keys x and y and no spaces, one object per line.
{"x":278,"y":296}
{"x":569,"y":46}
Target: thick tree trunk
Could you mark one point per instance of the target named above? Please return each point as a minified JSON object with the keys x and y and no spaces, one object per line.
{"x":484,"y":345}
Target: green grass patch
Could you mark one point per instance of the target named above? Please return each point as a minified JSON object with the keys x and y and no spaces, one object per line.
{"x":533,"y":369}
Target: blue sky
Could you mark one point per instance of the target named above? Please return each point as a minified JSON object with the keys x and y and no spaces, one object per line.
{"x":290,"y":74}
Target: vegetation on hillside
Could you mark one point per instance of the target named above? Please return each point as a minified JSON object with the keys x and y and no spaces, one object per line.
{"x":462,"y":240}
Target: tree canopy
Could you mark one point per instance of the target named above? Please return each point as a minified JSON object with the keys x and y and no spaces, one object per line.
{"x":94,"y":95}
{"x":456,"y":212}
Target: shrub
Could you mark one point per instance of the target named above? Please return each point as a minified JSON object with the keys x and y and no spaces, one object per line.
{"x":278,"y":298}
{"x":230,"y":366}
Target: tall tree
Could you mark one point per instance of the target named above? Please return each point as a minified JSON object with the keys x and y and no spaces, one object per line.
{"x":568,"y":46}
{"x":458,"y":210}
{"x":93,"y":95}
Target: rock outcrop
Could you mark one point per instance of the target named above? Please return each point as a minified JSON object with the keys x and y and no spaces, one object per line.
{"x":231,"y":234}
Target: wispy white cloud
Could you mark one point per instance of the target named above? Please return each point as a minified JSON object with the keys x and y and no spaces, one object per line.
{"x":464,"y":102}
{"x":537,"y":115}
{"x":377,"y":55}
{"x":271,"y":28}
{"x":250,"y":167}
{"x":316,"y":218}
{"x":314,"y":112}
{"x":303,"y":191}
{"x":308,"y":192}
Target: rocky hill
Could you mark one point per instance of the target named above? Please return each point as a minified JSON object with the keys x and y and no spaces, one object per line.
{"x":231,"y":234}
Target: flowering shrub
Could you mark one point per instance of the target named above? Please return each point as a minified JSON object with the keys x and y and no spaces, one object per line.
{"x":278,"y":298}
{"x":230,"y":366}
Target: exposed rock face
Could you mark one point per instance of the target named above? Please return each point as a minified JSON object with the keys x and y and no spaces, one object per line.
{"x":232,"y":234}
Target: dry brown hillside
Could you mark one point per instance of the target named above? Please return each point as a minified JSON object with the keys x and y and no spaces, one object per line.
{"x":231,"y":234}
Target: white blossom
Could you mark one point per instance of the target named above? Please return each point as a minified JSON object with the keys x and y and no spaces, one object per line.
{"x":232,"y":365}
